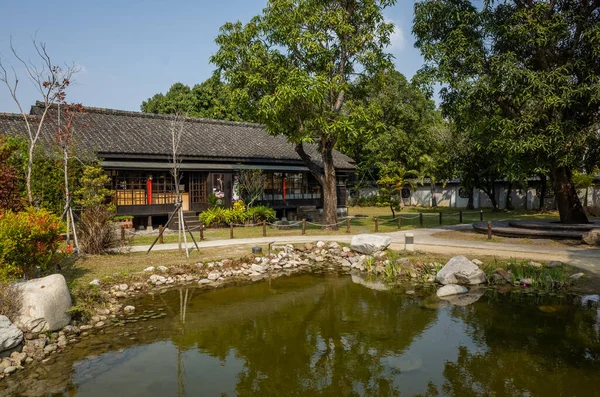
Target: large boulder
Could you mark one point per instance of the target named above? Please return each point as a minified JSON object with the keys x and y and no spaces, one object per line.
{"x":369,"y":243}
{"x":44,"y":304}
{"x":592,"y":237}
{"x":10,"y":335}
{"x":460,"y":270}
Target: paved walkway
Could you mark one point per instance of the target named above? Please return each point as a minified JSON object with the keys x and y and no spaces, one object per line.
{"x":584,"y":258}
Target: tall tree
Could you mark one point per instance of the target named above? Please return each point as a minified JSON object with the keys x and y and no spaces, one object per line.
{"x":210,"y":99}
{"x":51,"y":82}
{"x":395,"y":122}
{"x":525,"y":75}
{"x":294,"y":63}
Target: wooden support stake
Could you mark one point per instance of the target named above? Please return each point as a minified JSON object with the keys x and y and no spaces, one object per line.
{"x":481,"y":215}
{"x":264,"y":228}
{"x":304,"y":226}
{"x":459,"y":216}
{"x":440,"y":218}
{"x":399,"y":222}
{"x":421,"y":219}
{"x":231,"y":230}
{"x":376,"y":224}
{"x":201,"y":231}
{"x":122,"y":235}
{"x":489,"y":230}
{"x":347,"y":224}
{"x":160,"y":232}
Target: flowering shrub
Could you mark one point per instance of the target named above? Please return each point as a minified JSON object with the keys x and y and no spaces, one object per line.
{"x":28,"y":239}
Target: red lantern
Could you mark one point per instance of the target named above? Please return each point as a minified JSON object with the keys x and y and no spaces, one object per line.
{"x":284,"y":188}
{"x":149,"y":190}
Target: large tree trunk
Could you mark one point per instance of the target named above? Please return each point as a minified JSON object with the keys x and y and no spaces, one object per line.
{"x":569,"y":205}
{"x":326,"y":177}
{"x":432,"y":190}
{"x":470,"y":205}
{"x":329,"y":191}
{"x":542,"y":192}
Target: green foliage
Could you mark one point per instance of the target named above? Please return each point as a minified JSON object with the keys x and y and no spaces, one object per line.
{"x":294,"y":64}
{"x":86,"y":298}
{"x":211,"y":99}
{"x":393,"y":179}
{"x":261,"y":213}
{"x":11,"y":184}
{"x":239,"y":214}
{"x":122,"y":217}
{"x":520,"y":82}
{"x":395,"y":121}
{"x":215,"y":201}
{"x":213,"y":216}
{"x":28,"y":240}
{"x":93,"y":191}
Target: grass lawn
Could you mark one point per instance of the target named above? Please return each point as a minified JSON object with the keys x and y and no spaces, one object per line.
{"x":470,"y":235}
{"x":91,"y":267}
{"x":363,"y":225}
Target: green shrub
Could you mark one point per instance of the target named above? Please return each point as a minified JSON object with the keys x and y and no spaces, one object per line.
{"x":119,"y":218}
{"x":213,"y":216}
{"x":261,"y":213}
{"x":28,"y":239}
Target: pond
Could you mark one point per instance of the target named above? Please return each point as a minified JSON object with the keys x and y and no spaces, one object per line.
{"x":327,"y":335}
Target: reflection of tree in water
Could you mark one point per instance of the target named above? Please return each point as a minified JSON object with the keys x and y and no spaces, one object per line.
{"x":325,"y":339}
{"x":536,"y":348}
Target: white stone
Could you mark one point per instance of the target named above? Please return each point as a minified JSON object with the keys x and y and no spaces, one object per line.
{"x":320,"y":244}
{"x":204,"y":281}
{"x":369,"y":243}
{"x":214,"y":275}
{"x":129,"y":309}
{"x":577,"y":276}
{"x":460,"y":270}
{"x":257,"y":268}
{"x":156,"y":279}
{"x":10,"y":370}
{"x":10,"y":335}
{"x":477,"y":262}
{"x":123,"y":287}
{"x":95,"y":282}
{"x":345,"y":263}
{"x":162,"y":269}
{"x":44,"y":304}
{"x":592,"y":237}
{"x":334,"y":245}
{"x":451,"y":289}
{"x":149,"y":269}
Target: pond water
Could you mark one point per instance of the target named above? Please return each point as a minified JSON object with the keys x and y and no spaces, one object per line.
{"x":327,"y":335}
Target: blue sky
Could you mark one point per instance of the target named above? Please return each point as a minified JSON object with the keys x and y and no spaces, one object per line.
{"x":129,"y":50}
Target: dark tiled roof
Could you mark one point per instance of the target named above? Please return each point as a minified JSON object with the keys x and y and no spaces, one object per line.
{"x":116,"y":132}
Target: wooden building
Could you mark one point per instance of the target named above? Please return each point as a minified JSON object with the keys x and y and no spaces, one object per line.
{"x":135,"y":151}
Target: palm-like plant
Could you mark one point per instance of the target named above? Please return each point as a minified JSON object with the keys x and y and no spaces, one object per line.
{"x":393,"y":178}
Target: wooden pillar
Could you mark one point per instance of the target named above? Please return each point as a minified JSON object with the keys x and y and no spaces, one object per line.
{"x":481,"y":215}
{"x":421,"y":219}
{"x":347,"y":224}
{"x":376,"y":224}
{"x":304,"y":226}
{"x":122,"y":235}
{"x":489,"y":230}
{"x":201,"y":231}
{"x":160,"y":233}
{"x":460,"y":216}
{"x":440,"y":218}
{"x":231,"y":230}
{"x":264,"y":228}
{"x":399,"y":222}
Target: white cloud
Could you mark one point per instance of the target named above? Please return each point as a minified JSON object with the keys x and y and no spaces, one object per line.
{"x":397,"y":39}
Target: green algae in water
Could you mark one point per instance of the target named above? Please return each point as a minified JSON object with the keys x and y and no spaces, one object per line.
{"x":309,"y":336}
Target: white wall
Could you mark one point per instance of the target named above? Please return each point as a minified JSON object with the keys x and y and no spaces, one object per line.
{"x":447,"y":196}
